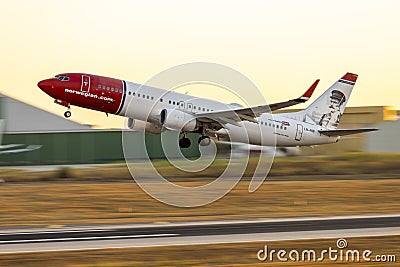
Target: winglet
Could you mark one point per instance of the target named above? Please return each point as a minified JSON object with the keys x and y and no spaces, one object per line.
{"x":307,"y":95}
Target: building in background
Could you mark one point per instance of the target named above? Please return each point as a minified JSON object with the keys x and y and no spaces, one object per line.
{"x":386,"y":140}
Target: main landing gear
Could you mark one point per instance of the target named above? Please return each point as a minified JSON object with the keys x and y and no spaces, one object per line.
{"x":185,"y":142}
{"x":67,"y":114}
{"x":204,"y":140}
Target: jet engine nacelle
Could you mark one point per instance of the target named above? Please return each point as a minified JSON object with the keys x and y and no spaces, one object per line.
{"x":174,"y":119}
{"x":131,"y":123}
{"x":143,"y":126}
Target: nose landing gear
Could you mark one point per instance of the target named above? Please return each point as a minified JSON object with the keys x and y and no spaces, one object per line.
{"x":67,"y":114}
{"x":66,"y":104}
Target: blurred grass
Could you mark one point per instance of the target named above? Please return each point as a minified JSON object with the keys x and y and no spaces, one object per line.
{"x":355,"y":183}
{"x":64,"y":203}
{"x":236,"y":255}
{"x":345,"y":164}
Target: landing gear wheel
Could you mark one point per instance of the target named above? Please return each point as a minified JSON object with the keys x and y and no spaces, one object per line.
{"x":204,"y":140}
{"x":67,"y":114}
{"x":184,"y":142}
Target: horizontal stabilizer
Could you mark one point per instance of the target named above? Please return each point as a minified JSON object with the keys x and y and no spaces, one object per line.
{"x":341,"y":132}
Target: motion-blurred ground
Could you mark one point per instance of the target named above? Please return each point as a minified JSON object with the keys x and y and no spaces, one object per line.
{"x":317,"y":186}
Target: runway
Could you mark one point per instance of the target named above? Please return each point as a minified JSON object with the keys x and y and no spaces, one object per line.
{"x":34,"y":240}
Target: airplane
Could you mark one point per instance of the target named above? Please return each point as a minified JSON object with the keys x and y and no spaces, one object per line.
{"x":154,"y":110}
{"x":5,"y":149}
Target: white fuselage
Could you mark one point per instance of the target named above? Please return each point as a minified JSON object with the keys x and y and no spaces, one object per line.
{"x":145,"y":103}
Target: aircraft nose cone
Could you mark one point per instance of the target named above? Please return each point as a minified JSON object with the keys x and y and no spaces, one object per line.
{"x":45,"y":85}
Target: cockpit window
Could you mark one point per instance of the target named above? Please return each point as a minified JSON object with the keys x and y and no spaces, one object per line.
{"x":62,"y":78}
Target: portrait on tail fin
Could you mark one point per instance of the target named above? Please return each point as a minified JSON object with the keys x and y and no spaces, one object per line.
{"x":332,"y":117}
{"x":327,"y":110}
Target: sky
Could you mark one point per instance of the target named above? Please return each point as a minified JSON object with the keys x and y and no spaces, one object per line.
{"x":282,"y":46}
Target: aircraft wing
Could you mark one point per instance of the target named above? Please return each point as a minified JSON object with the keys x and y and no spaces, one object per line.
{"x":235,"y":115}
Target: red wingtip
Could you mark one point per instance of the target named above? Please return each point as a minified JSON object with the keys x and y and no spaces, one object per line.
{"x":351,"y":77}
{"x":310,"y":90}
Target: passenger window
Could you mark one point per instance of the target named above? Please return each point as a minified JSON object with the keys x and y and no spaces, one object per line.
{"x":129,"y":92}
{"x":204,"y":109}
{"x":152,"y":98}
{"x":169,"y":101}
{"x":120,"y":90}
{"x":133,"y":93}
{"x":112,"y":88}
{"x":147,"y":97}
{"x":144,"y":96}
{"x":173,"y":102}
{"x":104,"y":87}
{"x":99,"y":86}
{"x":161,"y":100}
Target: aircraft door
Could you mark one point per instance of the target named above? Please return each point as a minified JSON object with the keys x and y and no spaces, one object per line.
{"x":85,"y":86}
{"x":189,"y":106}
{"x":299,"y":132}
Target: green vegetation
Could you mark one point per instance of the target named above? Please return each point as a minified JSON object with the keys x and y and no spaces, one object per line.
{"x":353,"y":164}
